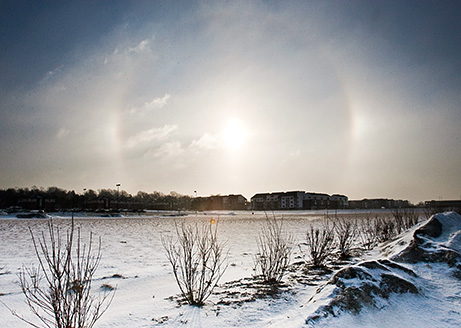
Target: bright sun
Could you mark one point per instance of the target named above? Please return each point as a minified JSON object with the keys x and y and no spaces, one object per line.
{"x":234,"y":134}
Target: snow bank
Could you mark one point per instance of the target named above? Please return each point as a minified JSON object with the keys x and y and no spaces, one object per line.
{"x":374,"y":285}
{"x":368,"y":283}
{"x":438,"y":240}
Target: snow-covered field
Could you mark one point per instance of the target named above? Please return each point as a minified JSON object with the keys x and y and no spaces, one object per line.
{"x":133,"y":261}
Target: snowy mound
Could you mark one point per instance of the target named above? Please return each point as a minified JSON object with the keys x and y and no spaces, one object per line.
{"x":368,"y":283}
{"x":439,"y":240}
{"x":371,"y":283}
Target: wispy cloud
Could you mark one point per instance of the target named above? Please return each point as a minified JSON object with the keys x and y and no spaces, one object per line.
{"x":52,"y":73}
{"x":169,"y":149}
{"x":143,"y":45}
{"x":124,"y":52}
{"x":62,"y":133}
{"x":150,"y":135}
{"x":205,"y":142}
{"x":140,"y":47}
{"x":151,"y":105}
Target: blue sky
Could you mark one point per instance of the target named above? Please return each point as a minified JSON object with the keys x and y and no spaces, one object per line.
{"x":361,"y":98}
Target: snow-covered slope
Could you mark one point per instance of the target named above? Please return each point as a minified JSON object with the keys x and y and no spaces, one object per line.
{"x":417,"y":284}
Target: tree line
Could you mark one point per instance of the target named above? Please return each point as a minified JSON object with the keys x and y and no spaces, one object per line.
{"x":57,"y":199}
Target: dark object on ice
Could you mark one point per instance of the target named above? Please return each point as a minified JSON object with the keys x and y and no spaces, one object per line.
{"x":32,"y":215}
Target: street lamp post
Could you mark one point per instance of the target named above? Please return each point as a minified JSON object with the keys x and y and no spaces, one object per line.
{"x":84,"y":199}
{"x":118,"y":194}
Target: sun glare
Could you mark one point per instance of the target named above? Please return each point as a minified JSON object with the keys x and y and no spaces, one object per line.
{"x":234,"y":134}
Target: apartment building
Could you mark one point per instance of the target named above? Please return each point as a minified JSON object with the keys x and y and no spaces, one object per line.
{"x":297,"y":200}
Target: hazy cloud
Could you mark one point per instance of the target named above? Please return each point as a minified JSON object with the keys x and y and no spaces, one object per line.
{"x":150,"y":135}
{"x":295,"y":153}
{"x":52,"y":73}
{"x":151,"y":105}
{"x":205,"y":142}
{"x":140,"y":47}
{"x":62,"y":133}
{"x":169,"y":149}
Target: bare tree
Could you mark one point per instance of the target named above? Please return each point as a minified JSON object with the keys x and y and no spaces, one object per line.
{"x":57,"y":291}
{"x":274,"y":250}
{"x":319,"y":243}
{"x":197,"y":260}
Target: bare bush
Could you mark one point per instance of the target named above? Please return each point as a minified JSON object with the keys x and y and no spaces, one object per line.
{"x":345,"y":232}
{"x":399,"y":224}
{"x":274,"y":250}
{"x":369,"y":231}
{"x":197,"y":260}
{"x":430,"y":211}
{"x":410,"y":218}
{"x":58,"y":290}
{"x":373,"y":230}
{"x":319,"y":243}
{"x":384,"y":228}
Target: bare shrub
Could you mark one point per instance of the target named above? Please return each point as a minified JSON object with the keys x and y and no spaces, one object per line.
{"x":274,"y":250}
{"x":319,"y":243}
{"x":197,"y":259}
{"x":398,"y":221}
{"x":410,"y":218}
{"x":58,"y":290}
{"x":345,"y":231}
{"x":373,"y":230}
{"x":367,"y":232}
{"x":430,"y":211}
{"x":384,"y":228}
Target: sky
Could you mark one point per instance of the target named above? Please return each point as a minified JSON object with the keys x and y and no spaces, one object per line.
{"x":361,"y":98}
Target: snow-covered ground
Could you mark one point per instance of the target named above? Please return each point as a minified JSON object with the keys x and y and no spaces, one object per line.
{"x":133,"y":261}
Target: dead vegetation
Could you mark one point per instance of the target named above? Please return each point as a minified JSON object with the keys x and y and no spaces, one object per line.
{"x":58,"y":290}
{"x":197,"y":259}
{"x":274,"y":250}
{"x":319,"y":243}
